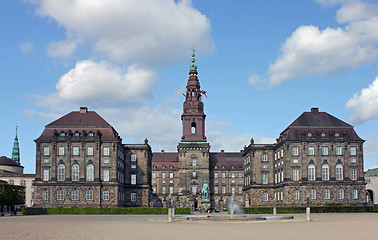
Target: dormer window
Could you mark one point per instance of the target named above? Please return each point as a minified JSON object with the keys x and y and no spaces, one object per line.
{"x":91,"y":134}
{"x":323,"y":134}
{"x":62,"y":134}
{"x":337,"y":134}
{"x":77,"y":134}
{"x":309,"y":134}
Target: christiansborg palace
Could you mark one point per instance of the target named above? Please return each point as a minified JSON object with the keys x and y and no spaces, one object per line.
{"x":81,"y":161}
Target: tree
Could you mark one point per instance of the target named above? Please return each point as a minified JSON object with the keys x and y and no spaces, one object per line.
{"x":11,"y":195}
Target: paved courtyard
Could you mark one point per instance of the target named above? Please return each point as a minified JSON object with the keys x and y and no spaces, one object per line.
{"x":322,"y":226}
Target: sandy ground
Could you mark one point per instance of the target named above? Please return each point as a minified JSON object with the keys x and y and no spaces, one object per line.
{"x":322,"y":226}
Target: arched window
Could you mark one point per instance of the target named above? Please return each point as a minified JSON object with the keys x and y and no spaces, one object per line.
{"x":133,"y":197}
{"x":312,"y":194}
{"x":75,"y":172}
{"x":61,"y":172}
{"x":325,"y":172}
{"x":311,"y":172}
{"x":340,"y":193}
{"x":90,"y":172}
{"x":193,"y":128}
{"x":339,"y":171}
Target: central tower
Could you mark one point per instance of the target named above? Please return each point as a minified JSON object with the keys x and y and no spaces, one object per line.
{"x":193,"y":150}
{"x":193,"y":118}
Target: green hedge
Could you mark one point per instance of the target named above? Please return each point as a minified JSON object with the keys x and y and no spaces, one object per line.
{"x":130,"y":210}
{"x":321,"y":209}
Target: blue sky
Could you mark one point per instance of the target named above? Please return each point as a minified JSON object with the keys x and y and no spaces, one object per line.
{"x":262,"y":64}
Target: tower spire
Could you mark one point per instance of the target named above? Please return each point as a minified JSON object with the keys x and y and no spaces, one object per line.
{"x":16,"y":149}
{"x":193,"y":117}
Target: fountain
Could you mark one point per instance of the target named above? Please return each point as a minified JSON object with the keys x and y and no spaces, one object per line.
{"x":234,"y":207}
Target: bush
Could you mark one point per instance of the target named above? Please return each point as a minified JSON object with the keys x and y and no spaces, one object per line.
{"x":318,"y":209}
{"x":130,"y":210}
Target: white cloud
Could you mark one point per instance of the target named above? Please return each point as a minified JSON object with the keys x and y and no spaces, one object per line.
{"x":313,"y":51}
{"x":61,"y":48}
{"x":144,"y":31}
{"x":364,"y":104}
{"x":104,"y":83}
{"x":254,"y":79}
{"x":26,"y":47}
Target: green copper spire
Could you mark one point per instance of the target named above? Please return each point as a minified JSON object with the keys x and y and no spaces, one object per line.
{"x":16,"y":149}
{"x":193,"y":66}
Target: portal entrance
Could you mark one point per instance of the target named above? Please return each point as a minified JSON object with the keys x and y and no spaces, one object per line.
{"x":370,"y":196}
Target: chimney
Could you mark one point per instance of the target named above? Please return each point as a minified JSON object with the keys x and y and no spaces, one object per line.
{"x":222,"y":151}
{"x":83,"y":109}
{"x":314,"y":109}
{"x":162,"y":151}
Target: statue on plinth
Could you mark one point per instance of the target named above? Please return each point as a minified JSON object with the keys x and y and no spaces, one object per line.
{"x":205,"y":191}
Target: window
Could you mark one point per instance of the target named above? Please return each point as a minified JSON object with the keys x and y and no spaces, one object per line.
{"x":233,"y":189}
{"x":45,"y":195}
{"x":194,"y":162}
{"x":193,"y":128}
{"x":46,"y":160}
{"x":61,"y":172}
{"x":240,"y":190}
{"x":133,"y":179}
{"x":223,"y":189}
{"x":216,"y":175}
{"x":163,"y":189}
{"x":106,"y":175}
{"x":154,"y":189}
{"x":309,"y":134}
{"x":75,"y":172}
{"x":353,"y":160}
{"x":90,"y":172}
{"x":106,"y":160}
{"x":295,"y":175}
{"x":154,"y":175}
{"x":216,"y":189}
{"x":194,"y":174}
{"x":77,"y":134}
{"x":264,"y":157}
{"x":23,"y":183}
{"x":133,"y":197}
{"x":171,"y":167}
{"x":323,"y":134}
{"x":133,"y":157}
{"x":60,"y":195}
{"x":90,"y":151}
{"x":296,"y":194}
{"x":311,"y":172}
{"x":89,"y":195}
{"x":295,"y":160}
{"x":264,"y":177}
{"x":91,"y":134}
{"x":294,"y":151}
{"x":75,"y":151}
{"x":46,"y":174}
{"x":353,"y":151}
{"x":61,"y":151}
{"x":339,"y":172}
{"x":311,"y":151}
{"x":105,"y":195}
{"x":339,"y":151}
{"x":326,"y":194}
{"x":312,"y":194}
{"x":325,"y":172}
{"x":354,"y":194}
{"x":75,"y":195}
{"x":194,"y":189}
{"x":281,"y":152}
{"x":354,"y":174}
{"x":171,"y":175}
{"x":62,"y":134}
{"x":265,"y":196}
{"x":233,"y":175}
{"x":163,"y":167}
{"x":46,"y":151}
{"x":133,"y":166}
{"x":240,"y":175}
{"x":223,"y":175}
{"x":106,"y":151}
{"x":163,"y":175}
{"x":340,"y":193}
{"x":324,"y":151}
{"x":11,"y":182}
{"x":171,"y":190}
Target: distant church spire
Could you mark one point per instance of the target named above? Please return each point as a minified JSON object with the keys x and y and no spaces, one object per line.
{"x":16,"y":149}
